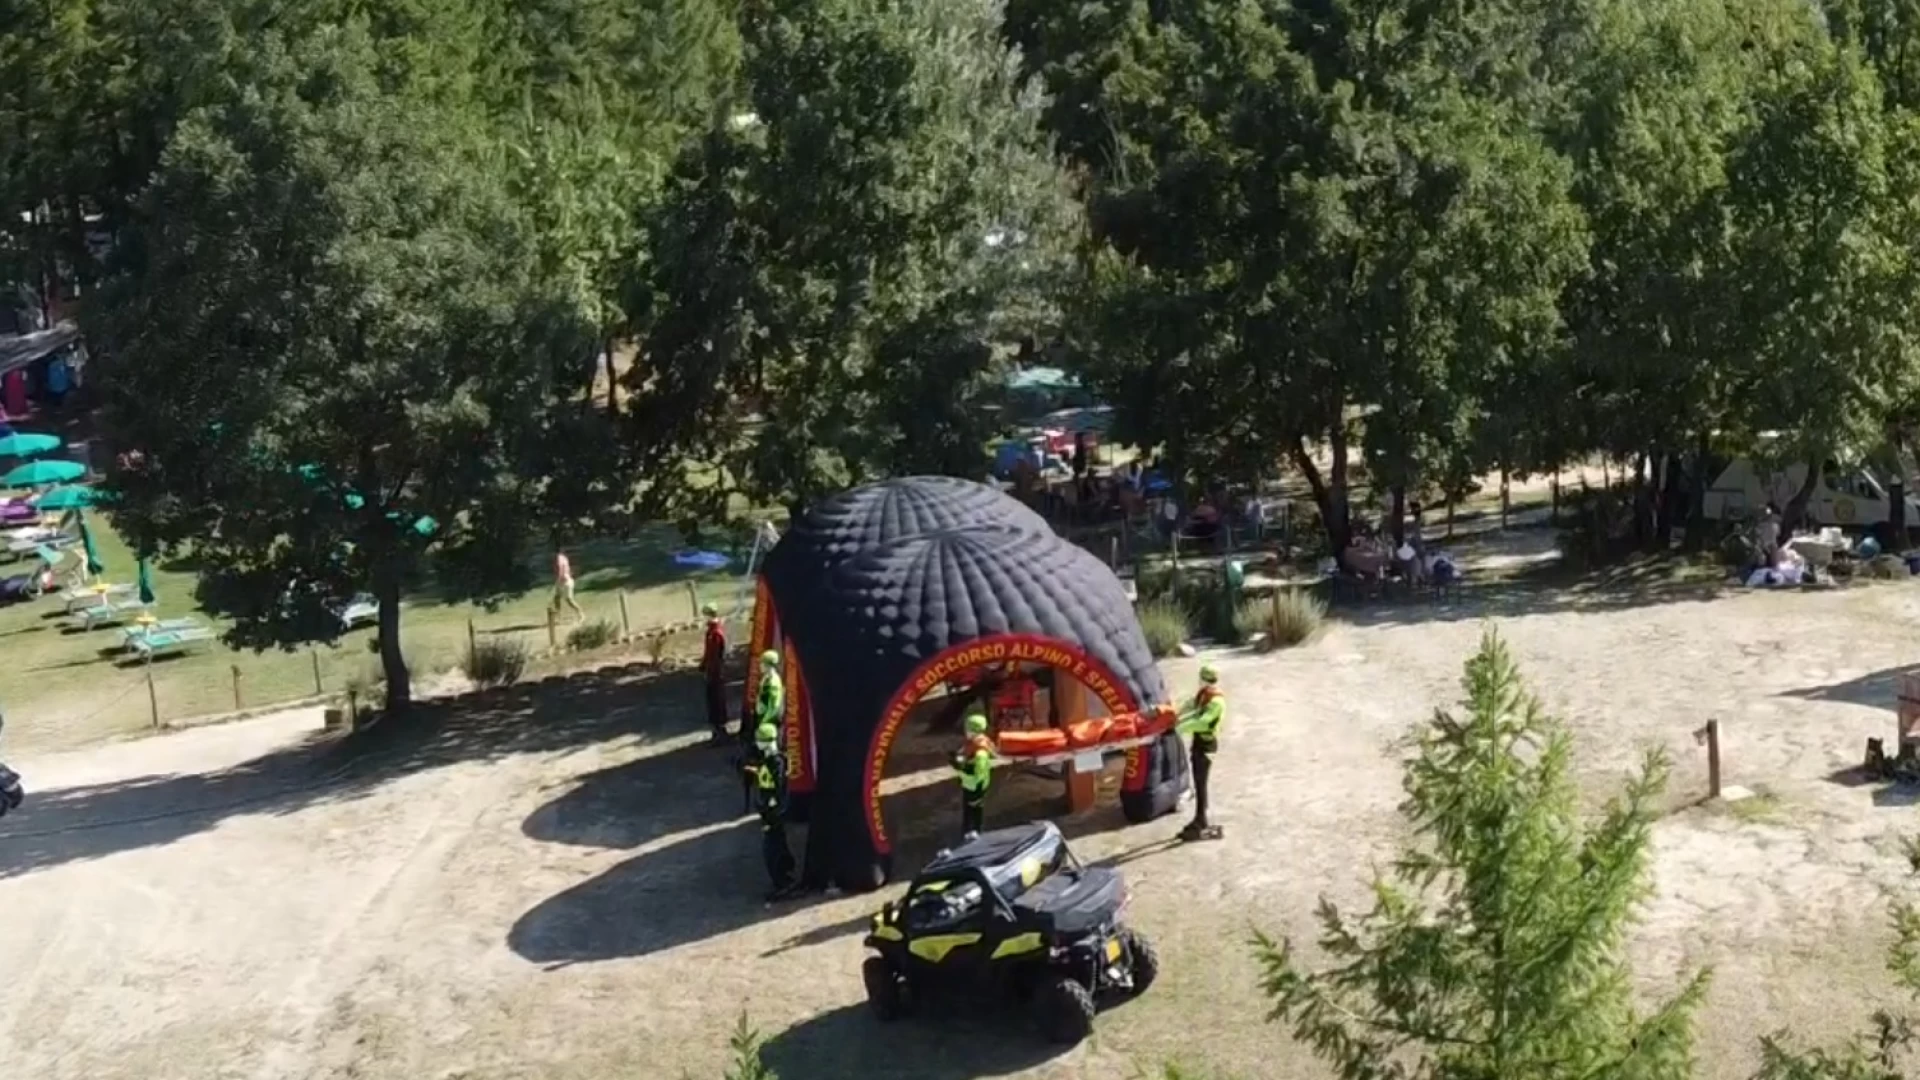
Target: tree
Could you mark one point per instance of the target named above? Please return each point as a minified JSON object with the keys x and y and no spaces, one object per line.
{"x":1822,"y":186}
{"x":1658,"y":104}
{"x":841,"y":260}
{"x":1309,"y":214}
{"x":325,"y":342}
{"x":1494,"y":948}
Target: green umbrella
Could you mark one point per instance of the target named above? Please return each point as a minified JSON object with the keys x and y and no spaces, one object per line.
{"x":94,"y":566}
{"x":21,"y":444}
{"x":69,"y":498}
{"x":145,"y":584}
{"x":43,"y":473}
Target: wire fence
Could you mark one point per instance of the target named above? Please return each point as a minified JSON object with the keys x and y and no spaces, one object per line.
{"x":117,"y":693}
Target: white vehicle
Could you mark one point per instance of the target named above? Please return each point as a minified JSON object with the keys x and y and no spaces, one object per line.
{"x":1848,"y":496}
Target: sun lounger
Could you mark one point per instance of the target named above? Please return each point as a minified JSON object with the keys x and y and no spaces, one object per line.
{"x":111,"y":612}
{"x":163,"y":626}
{"x":164,"y":642}
{"x":87,"y":596}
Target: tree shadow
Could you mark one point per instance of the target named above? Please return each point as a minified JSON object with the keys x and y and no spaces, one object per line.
{"x":1544,"y":589}
{"x":1878,"y":689}
{"x":632,"y":804}
{"x":956,"y":1044}
{"x":92,"y":821}
{"x":610,"y":564}
{"x":697,"y":886}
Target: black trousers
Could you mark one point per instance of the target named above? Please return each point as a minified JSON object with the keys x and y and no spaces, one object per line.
{"x":717,"y":706}
{"x":773,"y":849}
{"x":1202,"y":770}
{"x":973,"y":810}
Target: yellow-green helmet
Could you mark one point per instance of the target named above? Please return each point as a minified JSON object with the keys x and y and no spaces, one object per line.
{"x":976,"y":724}
{"x":711,"y":611}
{"x":766,"y":733}
{"x":1209,"y":674}
{"x":770,"y":659}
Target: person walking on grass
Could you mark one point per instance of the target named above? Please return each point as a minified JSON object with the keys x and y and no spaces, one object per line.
{"x":563,"y":587}
{"x":713,"y":665}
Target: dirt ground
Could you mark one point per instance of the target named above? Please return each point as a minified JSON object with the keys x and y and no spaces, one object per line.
{"x":561,"y":884}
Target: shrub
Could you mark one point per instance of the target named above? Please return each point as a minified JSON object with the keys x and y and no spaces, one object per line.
{"x":496,"y":661}
{"x":1294,"y":618}
{"x":1165,"y":625}
{"x":597,"y":634}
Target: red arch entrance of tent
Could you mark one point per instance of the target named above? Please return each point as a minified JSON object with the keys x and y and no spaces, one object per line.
{"x":998,"y":649}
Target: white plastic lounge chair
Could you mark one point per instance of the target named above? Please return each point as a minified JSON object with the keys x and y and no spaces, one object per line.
{"x":166,"y":642}
{"x":163,"y":626}
{"x":86,"y":596}
{"x":111,"y":612}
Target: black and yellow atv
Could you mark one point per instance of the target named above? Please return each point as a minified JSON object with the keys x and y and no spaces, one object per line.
{"x":1011,"y":916}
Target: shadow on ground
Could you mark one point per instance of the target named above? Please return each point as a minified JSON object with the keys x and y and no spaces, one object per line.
{"x":1878,"y":689}
{"x":698,"y":886}
{"x":1542,"y":588}
{"x":92,"y":821}
{"x":1892,"y":794}
{"x":848,"y":1043}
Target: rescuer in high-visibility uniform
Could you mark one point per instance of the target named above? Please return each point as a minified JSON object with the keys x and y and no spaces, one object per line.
{"x":974,"y":763}
{"x":770,"y":700}
{"x":1202,"y":720}
{"x":767,"y":773}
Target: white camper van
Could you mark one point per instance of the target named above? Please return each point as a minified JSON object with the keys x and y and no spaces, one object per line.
{"x":1848,"y":496}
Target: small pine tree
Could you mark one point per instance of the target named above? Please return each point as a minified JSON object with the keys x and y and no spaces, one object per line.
{"x":1494,"y":948}
{"x":743,"y":1053}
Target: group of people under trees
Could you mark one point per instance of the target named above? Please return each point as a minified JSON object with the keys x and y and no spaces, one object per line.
{"x":765,"y":767}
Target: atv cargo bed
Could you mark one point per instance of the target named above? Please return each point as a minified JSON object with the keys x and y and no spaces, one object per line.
{"x":1072,"y":902}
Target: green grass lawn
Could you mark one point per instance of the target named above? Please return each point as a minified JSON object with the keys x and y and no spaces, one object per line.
{"x":62,"y":686}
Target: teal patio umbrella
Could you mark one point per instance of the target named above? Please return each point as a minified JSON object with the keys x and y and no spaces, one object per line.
{"x":43,"y":473}
{"x":69,"y":498}
{"x":92,"y":554}
{"x":145,"y":584}
{"x":22,"y":444}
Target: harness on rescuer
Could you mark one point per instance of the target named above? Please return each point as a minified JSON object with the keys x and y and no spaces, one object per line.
{"x":767,"y":779}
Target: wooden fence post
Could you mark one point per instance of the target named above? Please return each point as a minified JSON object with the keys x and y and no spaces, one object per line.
{"x":553,"y":641}
{"x":626,"y":624}
{"x":153,"y":698}
{"x":236,"y":687}
{"x":318,"y":689}
{"x":473,"y":636}
{"x":1710,"y":736}
{"x":693,"y":598}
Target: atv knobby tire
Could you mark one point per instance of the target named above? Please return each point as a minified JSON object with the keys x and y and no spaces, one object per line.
{"x":885,"y":993}
{"x":1145,"y":962}
{"x":1065,"y":1008}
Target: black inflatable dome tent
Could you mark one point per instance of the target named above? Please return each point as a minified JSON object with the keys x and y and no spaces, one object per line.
{"x":878,"y":595}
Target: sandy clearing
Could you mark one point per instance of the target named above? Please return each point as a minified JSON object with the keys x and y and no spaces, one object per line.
{"x":570,"y":893}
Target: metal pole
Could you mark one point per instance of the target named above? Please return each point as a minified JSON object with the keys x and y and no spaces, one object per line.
{"x":318,"y":690}
{"x":693,"y":598}
{"x":236,"y":687}
{"x":626,"y":624}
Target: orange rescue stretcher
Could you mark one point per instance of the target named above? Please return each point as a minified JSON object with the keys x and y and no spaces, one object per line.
{"x":1101,"y":735}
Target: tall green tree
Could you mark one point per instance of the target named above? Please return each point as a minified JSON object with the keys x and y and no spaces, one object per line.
{"x":844,"y":256}
{"x":1494,"y":950}
{"x":327,"y":346}
{"x":1306,"y":213}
